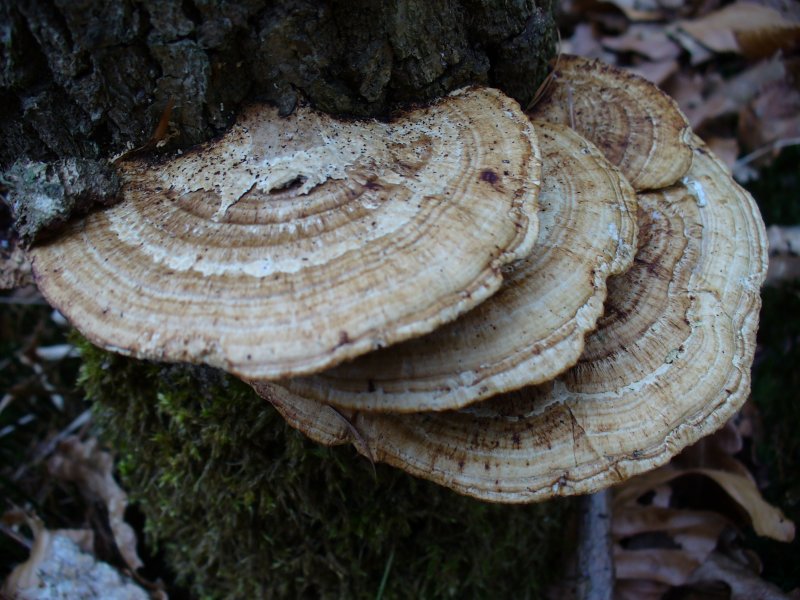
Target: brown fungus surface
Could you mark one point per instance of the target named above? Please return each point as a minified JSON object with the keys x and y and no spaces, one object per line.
{"x":291,"y":244}
{"x":669,"y":364}
{"x":534,"y":327}
{"x":637,"y":126}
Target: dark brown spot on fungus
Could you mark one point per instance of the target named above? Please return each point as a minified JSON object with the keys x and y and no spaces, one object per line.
{"x":489,"y":176}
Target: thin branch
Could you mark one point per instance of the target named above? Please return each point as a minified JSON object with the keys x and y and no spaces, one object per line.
{"x":79,"y":421}
{"x":759,"y":152}
{"x":17,"y":537}
{"x":571,"y":107}
{"x":595,"y":558}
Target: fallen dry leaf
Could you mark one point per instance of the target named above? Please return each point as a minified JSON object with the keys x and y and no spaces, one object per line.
{"x":662,"y":495}
{"x":606,"y":15}
{"x":672,"y":567}
{"x":784,"y":239}
{"x":698,"y":541}
{"x":716,"y":452}
{"x":648,"y":40}
{"x":751,"y":29}
{"x":658,"y":547}
{"x":695,"y":533}
{"x":60,"y":567}
{"x":772,"y":115}
{"x":657,"y":72}
{"x":784,"y":248}
{"x":722,"y":97}
{"x":766,"y":519}
{"x":24,"y":576}
{"x":782,"y":268}
{"x":638,"y":519}
{"x":726,"y":148}
{"x":642,"y":10}
{"x":585,"y":41}
{"x":689,"y":91}
{"x":698,"y":53}
{"x":15,"y":268}
{"x":639,"y":589}
{"x":91,"y":469}
{"x":744,"y":584}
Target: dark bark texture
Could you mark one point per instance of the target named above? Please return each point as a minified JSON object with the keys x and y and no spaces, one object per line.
{"x":91,"y":77}
{"x":43,"y":196}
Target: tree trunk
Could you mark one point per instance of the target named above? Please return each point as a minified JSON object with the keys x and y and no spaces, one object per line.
{"x":88,"y":78}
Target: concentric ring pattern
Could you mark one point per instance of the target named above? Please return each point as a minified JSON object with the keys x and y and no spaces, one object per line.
{"x":637,"y":126}
{"x":534,"y":327}
{"x":669,"y":364}
{"x":291,"y":244}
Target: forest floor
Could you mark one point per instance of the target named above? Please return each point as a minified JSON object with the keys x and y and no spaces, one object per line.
{"x":734,"y":67}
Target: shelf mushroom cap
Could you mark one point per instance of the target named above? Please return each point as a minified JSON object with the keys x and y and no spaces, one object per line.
{"x":669,"y":363}
{"x":534,"y":327}
{"x":638,"y":127}
{"x":291,"y":244}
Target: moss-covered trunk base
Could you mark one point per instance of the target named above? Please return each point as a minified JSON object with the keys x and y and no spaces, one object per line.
{"x":245,"y":507}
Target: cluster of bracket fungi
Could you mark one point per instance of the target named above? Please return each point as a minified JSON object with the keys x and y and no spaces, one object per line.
{"x":512,"y":305}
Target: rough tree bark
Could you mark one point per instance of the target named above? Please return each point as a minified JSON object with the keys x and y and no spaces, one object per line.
{"x":88,"y":78}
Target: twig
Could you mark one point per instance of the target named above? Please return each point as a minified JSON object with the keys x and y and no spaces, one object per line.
{"x":7,"y":399}
{"x":571,"y":107}
{"x":50,"y":446}
{"x":158,"y":134}
{"x":759,"y":152}
{"x":27,"y":544}
{"x":595,"y":559}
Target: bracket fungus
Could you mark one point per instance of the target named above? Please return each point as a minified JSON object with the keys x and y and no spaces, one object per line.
{"x":638,"y":127}
{"x":534,"y":327}
{"x":293,"y":243}
{"x":669,"y":363}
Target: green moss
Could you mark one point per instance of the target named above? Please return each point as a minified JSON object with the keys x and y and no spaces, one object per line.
{"x":244,"y":506}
